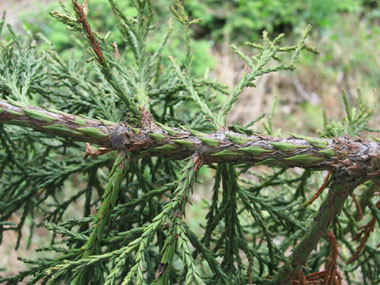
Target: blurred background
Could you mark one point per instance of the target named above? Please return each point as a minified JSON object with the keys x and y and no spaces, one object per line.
{"x":345,"y":32}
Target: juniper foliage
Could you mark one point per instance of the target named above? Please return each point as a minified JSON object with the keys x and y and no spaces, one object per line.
{"x":156,"y":126}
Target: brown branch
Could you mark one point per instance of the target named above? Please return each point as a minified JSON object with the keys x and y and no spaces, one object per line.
{"x":353,"y":157}
{"x":77,"y":128}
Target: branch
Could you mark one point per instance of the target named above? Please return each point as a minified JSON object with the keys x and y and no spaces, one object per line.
{"x":93,"y":244}
{"x":57,"y":123}
{"x":356,"y":157}
{"x":342,"y":187}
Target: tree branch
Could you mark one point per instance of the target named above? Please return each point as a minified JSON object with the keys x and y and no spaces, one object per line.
{"x":341,"y":188}
{"x":57,"y":123}
{"x":357,"y":157}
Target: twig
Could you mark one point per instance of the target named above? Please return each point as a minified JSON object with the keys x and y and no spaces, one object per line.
{"x":365,"y":232}
{"x":332,"y":275}
{"x":90,"y":151}
{"x":116,"y":50}
{"x":87,"y":28}
{"x":359,"y":209}
{"x":320,"y":190}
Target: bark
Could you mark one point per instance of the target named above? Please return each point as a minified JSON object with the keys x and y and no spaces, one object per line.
{"x":352,"y":156}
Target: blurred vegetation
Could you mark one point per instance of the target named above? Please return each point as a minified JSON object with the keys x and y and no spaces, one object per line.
{"x":240,"y":20}
{"x":230,"y":20}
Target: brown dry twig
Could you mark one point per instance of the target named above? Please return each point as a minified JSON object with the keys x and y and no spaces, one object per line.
{"x":90,"y":151}
{"x":320,"y":190}
{"x":358,"y":207}
{"x":330,"y":276}
{"x":90,"y":35}
{"x":116,"y":50}
{"x":365,"y":231}
{"x":300,"y":278}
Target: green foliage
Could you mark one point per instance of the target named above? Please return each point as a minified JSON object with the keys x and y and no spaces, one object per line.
{"x":325,"y":12}
{"x":356,"y":121}
{"x":247,"y":19}
{"x":134,"y":223}
{"x":39,"y":22}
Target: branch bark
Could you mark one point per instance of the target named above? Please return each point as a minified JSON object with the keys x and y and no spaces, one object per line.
{"x":357,"y":157}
